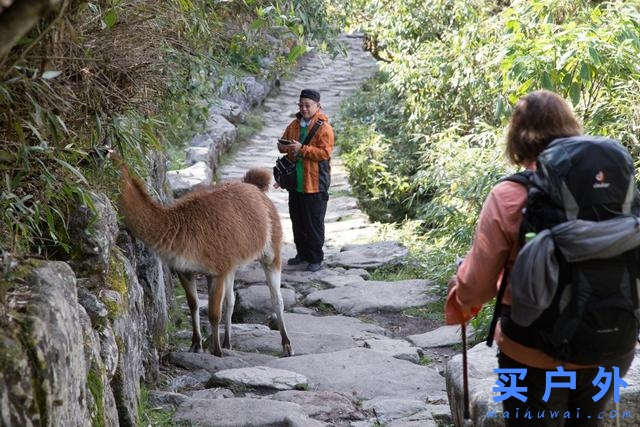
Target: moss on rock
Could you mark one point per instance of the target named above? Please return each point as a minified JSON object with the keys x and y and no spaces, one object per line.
{"x":117,"y":276}
{"x":96,"y":387}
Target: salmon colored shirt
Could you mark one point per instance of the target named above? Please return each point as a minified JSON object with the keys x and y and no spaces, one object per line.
{"x":496,"y":242}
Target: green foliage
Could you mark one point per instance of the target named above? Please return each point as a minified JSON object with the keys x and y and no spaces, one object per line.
{"x":425,"y":361}
{"x":404,"y":271}
{"x":96,"y":387}
{"x":133,"y":75}
{"x":148,"y":416}
{"x":432,"y":311}
{"x":422,"y":140}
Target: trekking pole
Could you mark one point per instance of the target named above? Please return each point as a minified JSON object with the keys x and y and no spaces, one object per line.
{"x":465,"y":378}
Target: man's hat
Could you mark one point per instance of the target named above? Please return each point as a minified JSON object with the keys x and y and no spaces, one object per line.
{"x":310,"y":94}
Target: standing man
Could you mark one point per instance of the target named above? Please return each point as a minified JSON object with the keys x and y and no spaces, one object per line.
{"x":311,"y":144}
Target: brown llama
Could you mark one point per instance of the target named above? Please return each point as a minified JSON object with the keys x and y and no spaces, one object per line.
{"x":212,"y":230}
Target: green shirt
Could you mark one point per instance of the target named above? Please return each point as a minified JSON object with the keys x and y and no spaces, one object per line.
{"x":299,"y":166}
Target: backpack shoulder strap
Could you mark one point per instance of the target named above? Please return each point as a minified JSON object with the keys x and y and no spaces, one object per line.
{"x":313,"y":131}
{"x":523,"y":178}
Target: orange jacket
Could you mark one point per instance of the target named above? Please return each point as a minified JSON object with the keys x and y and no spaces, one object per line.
{"x":316,"y":155}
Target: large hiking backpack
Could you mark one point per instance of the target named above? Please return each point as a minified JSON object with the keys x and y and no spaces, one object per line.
{"x":593,"y":316}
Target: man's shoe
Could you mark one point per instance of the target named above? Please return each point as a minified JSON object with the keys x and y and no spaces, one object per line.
{"x":295,"y":260}
{"x":314,"y":266}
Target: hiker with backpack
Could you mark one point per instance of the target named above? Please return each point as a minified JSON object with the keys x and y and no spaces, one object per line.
{"x":557,"y":244}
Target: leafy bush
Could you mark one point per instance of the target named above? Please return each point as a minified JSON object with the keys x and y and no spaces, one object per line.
{"x":423,"y":140}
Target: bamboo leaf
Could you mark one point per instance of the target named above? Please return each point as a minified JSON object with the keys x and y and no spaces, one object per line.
{"x":546,"y":81}
{"x":574,"y":94}
{"x":296,"y":51}
{"x":110,"y":18}
{"x":585,"y":73}
{"x":74,"y":170}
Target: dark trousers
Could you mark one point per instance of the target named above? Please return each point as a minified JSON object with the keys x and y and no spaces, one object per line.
{"x":582,"y":410}
{"x":307,"y":212}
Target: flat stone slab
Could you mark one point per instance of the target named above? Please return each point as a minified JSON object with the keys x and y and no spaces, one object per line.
{"x":232,"y":359}
{"x":339,"y":325}
{"x":441,"y":337}
{"x":332,"y":280}
{"x":305,"y":282}
{"x":433,"y":416}
{"x":373,"y":296}
{"x":366,"y":374}
{"x":391,"y":409}
{"x":400,"y":349}
{"x":261,"y":377}
{"x":245,"y":412}
{"x":327,"y":406}
{"x":368,"y":256}
{"x":211,"y":393}
{"x":303,"y":343}
{"x":194,"y":379}
{"x":257,"y":299}
{"x":295,"y":277}
{"x":166,"y":399}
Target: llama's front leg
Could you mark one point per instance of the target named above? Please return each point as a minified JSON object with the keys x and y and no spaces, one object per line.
{"x":229,"y":303}
{"x":273,"y":280}
{"x":216,"y":293}
{"x":189,"y":285}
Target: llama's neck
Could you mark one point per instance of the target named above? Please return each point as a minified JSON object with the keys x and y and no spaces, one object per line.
{"x":144,"y":216}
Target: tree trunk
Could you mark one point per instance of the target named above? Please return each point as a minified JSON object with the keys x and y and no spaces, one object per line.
{"x":19,"y":18}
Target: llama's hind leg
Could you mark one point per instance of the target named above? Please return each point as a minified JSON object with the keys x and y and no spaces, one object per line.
{"x":190,"y":289}
{"x":229,"y":303}
{"x":273,"y":274}
{"x":216,"y":294}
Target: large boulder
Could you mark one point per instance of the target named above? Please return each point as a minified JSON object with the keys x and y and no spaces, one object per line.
{"x":94,"y":230}
{"x":194,"y":155}
{"x":184,"y":180}
{"x":246,"y":91}
{"x":257,"y":299}
{"x":223,"y":133}
{"x":51,"y":371}
{"x":230,"y":110}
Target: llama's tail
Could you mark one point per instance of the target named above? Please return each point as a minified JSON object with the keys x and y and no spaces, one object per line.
{"x":261,"y":178}
{"x":145,"y":217}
